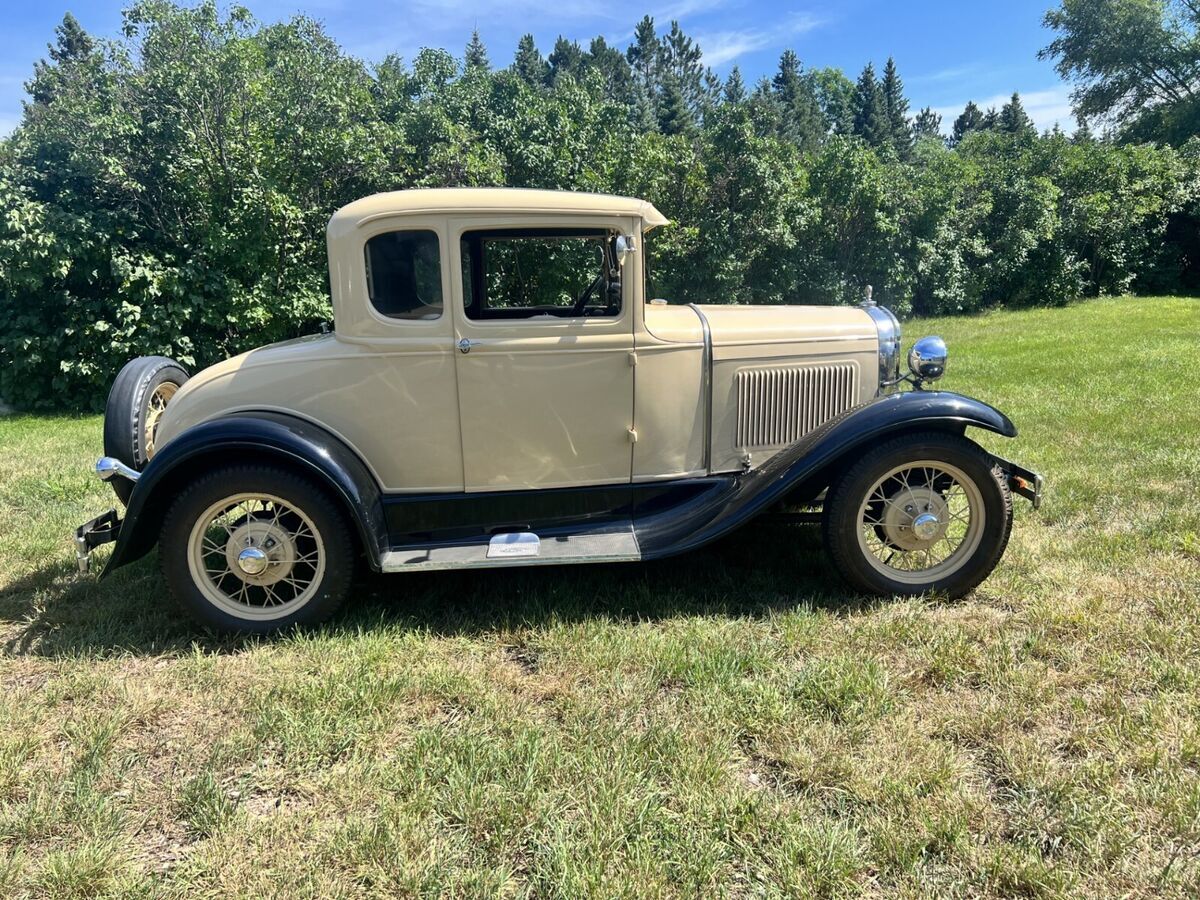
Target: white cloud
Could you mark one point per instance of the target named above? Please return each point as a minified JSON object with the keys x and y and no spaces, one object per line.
{"x":942,"y":75}
{"x":1047,"y":108}
{"x":725,"y":46}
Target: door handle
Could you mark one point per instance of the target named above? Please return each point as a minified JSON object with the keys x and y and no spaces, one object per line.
{"x":464,"y":345}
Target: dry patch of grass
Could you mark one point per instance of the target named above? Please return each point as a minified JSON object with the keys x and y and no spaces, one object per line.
{"x":732,"y":723}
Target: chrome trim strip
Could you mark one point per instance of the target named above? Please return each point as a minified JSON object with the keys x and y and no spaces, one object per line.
{"x":888,"y":328}
{"x":706,"y":387}
{"x":107,"y":467}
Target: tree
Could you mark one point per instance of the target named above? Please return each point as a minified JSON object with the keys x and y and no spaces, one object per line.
{"x":897,"y":109}
{"x":566,"y":59}
{"x":72,"y":48}
{"x":1013,"y":118}
{"x":476,"y":58}
{"x":870,"y":110}
{"x":927,"y":124}
{"x":970,"y":119}
{"x":835,"y":95}
{"x":802,"y":121}
{"x":680,"y":64}
{"x":735,"y":89}
{"x":1134,"y":63}
{"x":644,"y":55}
{"x":613,"y":68}
{"x":529,"y":65}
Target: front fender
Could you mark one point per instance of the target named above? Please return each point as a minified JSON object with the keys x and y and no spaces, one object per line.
{"x":735,"y":499}
{"x":253,"y":437}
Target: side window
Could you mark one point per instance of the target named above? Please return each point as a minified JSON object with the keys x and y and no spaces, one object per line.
{"x":540,"y":273}
{"x":404,"y":274}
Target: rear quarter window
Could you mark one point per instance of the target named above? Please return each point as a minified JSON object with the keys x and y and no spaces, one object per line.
{"x":404,"y":274}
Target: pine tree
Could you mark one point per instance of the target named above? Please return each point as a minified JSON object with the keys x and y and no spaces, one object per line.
{"x":613,"y":67}
{"x":991,"y":120}
{"x":73,"y":42}
{"x":680,"y":61}
{"x":644,"y":55}
{"x":566,"y":59}
{"x":72,"y":46}
{"x":870,"y":111}
{"x":970,"y":119}
{"x":529,"y":65}
{"x":674,"y":117}
{"x":802,"y":121}
{"x":1083,"y":134}
{"x":735,"y":89}
{"x":476,"y":55}
{"x":897,"y":109}
{"x":927,"y":124}
{"x":1013,"y":118}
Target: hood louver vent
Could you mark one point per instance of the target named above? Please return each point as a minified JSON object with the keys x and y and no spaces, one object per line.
{"x":776,"y":406}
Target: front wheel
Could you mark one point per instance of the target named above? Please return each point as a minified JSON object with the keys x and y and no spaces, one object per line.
{"x":924,"y":513}
{"x":256,"y":549}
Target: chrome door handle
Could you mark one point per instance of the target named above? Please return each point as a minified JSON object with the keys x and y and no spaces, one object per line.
{"x":464,"y":345}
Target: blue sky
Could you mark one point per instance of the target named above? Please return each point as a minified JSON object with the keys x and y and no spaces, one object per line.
{"x":948,"y":51}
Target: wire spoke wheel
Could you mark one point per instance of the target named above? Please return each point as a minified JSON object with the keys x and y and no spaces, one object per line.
{"x":921,"y":521}
{"x":256,"y":556}
{"x":155,"y":407}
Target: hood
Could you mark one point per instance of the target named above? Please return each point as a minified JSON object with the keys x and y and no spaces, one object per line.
{"x":774,"y":324}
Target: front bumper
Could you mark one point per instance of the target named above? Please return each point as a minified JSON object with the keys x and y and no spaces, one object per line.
{"x":1023,"y":482}
{"x":101,"y":530}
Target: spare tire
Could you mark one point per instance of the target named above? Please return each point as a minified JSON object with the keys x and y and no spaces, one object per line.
{"x":139,"y":394}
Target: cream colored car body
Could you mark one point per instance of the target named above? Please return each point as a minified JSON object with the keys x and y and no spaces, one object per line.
{"x":542,"y":402}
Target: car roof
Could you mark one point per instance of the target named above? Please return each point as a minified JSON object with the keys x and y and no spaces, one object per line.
{"x":457,"y":200}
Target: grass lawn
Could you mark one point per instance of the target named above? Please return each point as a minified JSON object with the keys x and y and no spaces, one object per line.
{"x":733,"y":722}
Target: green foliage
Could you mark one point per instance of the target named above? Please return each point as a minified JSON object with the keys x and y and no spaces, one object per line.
{"x":1135,"y":63}
{"x":167,"y":193}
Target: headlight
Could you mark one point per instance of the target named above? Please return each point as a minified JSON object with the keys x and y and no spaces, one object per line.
{"x":927,"y":358}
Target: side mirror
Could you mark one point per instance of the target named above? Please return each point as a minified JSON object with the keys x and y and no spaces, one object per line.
{"x":623,"y":246}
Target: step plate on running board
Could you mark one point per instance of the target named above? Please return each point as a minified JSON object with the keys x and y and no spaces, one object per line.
{"x":509,"y":546}
{"x":518,"y":549}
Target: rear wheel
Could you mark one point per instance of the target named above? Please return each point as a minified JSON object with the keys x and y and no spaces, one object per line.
{"x":256,"y":549}
{"x":922,"y":513}
{"x":139,"y":395}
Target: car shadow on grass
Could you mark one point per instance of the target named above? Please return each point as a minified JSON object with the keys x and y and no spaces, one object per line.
{"x":760,"y":571}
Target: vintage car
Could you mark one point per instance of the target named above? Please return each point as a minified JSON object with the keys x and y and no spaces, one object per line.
{"x":498,"y":390}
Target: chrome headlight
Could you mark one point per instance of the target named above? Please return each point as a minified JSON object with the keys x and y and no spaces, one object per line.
{"x":927,"y":358}
{"x":888,"y":328}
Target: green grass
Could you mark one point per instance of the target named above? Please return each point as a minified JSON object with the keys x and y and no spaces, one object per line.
{"x":729,"y":723}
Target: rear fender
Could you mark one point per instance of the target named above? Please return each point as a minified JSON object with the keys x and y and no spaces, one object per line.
{"x":251,"y":437}
{"x":806,"y":467}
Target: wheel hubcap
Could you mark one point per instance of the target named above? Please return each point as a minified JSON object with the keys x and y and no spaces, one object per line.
{"x":926,"y":526}
{"x":252,"y":561}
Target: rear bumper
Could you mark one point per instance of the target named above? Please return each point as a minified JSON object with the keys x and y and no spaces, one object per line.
{"x":101,"y":530}
{"x":1023,"y":482}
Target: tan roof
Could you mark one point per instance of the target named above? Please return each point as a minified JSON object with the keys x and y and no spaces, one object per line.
{"x":455,"y":200}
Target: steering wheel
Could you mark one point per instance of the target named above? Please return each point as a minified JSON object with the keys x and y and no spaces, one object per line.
{"x":582,"y":302}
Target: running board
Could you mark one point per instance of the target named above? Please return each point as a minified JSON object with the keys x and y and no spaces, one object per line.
{"x":517,"y":549}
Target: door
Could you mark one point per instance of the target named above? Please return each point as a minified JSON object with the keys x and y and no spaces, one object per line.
{"x":545,"y":363}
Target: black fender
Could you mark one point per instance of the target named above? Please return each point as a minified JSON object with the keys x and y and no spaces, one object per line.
{"x":259,"y":437}
{"x":722,"y":503}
